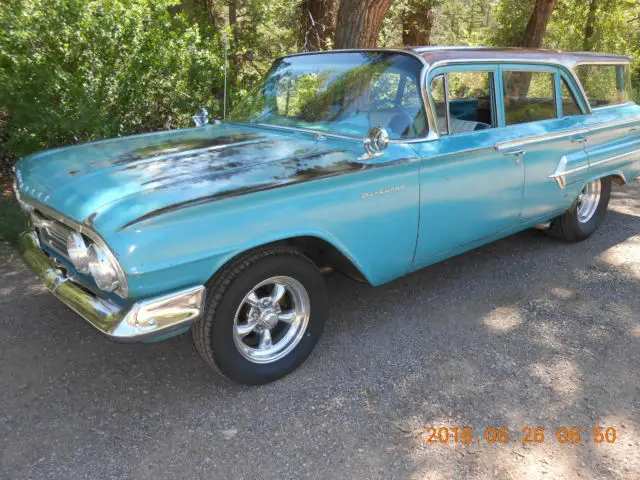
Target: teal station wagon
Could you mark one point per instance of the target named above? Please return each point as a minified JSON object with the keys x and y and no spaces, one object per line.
{"x":374,"y":163}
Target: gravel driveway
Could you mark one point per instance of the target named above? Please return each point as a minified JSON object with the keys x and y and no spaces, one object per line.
{"x":527,"y":331}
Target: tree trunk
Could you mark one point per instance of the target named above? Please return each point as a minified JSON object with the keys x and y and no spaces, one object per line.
{"x":359,"y":23}
{"x":212,"y":13}
{"x":417,"y":21}
{"x":318,"y":24}
{"x":537,"y":26}
{"x":590,"y":26}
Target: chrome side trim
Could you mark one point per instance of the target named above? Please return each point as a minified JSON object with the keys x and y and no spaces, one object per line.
{"x":560,"y":175}
{"x":565,"y":133}
{"x":538,"y":138}
{"x":613,"y":159}
{"x":123,"y":289}
{"x":144,"y":320}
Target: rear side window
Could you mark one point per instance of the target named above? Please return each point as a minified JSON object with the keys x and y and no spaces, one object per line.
{"x":528,"y":96}
{"x":604,"y":84}
{"x":569,"y":104}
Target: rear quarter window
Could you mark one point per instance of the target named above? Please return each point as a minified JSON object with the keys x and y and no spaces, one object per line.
{"x":604,"y":84}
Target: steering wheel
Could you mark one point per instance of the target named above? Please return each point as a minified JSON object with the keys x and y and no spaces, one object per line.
{"x":376,"y":103}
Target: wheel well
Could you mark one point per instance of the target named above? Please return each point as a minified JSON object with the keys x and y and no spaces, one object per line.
{"x":324,"y":255}
{"x":618,"y":179}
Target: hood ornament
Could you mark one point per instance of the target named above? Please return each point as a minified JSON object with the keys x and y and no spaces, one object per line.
{"x":201,"y":118}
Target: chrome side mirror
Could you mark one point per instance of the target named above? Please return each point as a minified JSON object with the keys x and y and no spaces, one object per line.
{"x":201,"y":118}
{"x":377,"y":140}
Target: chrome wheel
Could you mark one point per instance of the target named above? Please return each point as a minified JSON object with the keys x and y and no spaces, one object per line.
{"x":588,"y":201}
{"x":271,"y":319}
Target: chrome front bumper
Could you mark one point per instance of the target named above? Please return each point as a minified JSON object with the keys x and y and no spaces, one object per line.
{"x":143,"y":321}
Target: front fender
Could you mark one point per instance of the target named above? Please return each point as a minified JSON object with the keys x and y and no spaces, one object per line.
{"x":187,"y":246}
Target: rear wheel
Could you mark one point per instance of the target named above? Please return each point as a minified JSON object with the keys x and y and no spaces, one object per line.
{"x":586,"y":214}
{"x":265,"y":312}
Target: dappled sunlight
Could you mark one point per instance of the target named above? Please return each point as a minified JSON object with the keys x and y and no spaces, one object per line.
{"x":625,"y":256}
{"x":561,"y":376}
{"x":623,"y":455}
{"x":503,"y":319}
{"x":563,"y":293}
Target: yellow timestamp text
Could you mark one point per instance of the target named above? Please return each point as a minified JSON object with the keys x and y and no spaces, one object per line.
{"x":526,"y":435}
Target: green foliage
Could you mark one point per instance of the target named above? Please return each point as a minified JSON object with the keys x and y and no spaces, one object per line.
{"x":78,"y":70}
{"x":12,"y":221}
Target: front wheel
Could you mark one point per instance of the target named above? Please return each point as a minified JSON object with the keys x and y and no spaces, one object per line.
{"x":265,"y":312}
{"x":586,"y":214}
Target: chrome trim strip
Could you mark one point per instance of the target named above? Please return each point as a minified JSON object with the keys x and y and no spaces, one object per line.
{"x":614,"y":158}
{"x":123,"y":289}
{"x":560,"y":175}
{"x":538,"y":138}
{"x":144,"y":320}
{"x":565,"y":133}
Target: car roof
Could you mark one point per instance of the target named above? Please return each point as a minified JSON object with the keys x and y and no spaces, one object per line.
{"x":437,"y":55}
{"x":456,"y":54}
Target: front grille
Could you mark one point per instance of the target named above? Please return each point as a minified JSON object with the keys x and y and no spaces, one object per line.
{"x":51,"y":232}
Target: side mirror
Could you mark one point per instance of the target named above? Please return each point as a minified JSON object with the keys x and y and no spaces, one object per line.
{"x":201,"y":118}
{"x":377,"y":140}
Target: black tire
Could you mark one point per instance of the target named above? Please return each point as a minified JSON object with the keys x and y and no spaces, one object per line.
{"x":569,"y":228}
{"x":213,"y":334}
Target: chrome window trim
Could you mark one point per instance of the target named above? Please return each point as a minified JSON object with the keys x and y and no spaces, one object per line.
{"x":565,"y":133}
{"x":123,"y":288}
{"x":568,"y":68}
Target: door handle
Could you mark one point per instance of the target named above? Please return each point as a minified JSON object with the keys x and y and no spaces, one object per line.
{"x":633,"y":129}
{"x":579,"y":140}
{"x":517,"y":153}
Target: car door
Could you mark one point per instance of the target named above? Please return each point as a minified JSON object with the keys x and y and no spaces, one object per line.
{"x":469,"y":191}
{"x":544,"y":119}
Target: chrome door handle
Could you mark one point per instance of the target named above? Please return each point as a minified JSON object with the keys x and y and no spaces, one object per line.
{"x":579,"y":140}
{"x":517,"y":153}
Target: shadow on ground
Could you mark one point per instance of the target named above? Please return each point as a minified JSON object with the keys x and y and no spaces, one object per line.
{"x":525,"y":331}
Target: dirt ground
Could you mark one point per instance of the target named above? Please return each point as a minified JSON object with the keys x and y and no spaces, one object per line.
{"x":527,"y":331}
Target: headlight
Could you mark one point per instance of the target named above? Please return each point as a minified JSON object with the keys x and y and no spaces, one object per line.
{"x":78,"y":252}
{"x":102,"y":270}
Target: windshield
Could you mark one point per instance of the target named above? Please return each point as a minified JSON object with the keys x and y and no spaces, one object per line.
{"x":346,"y":93}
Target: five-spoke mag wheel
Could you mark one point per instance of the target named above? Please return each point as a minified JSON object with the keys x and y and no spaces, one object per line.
{"x":265,"y":313}
{"x":271,"y":319}
{"x":588,"y":201}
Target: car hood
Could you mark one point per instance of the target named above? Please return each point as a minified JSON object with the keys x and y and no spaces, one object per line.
{"x":127,"y":179}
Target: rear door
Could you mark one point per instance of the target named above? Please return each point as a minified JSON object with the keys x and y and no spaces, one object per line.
{"x":544,"y":121}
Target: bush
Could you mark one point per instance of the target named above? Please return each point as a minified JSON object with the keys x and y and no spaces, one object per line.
{"x":78,"y":70}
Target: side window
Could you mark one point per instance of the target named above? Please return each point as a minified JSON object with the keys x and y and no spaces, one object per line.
{"x":528,"y":96}
{"x":604,"y":84}
{"x":569,"y":104}
{"x":469,"y":100}
{"x":440,"y":103}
